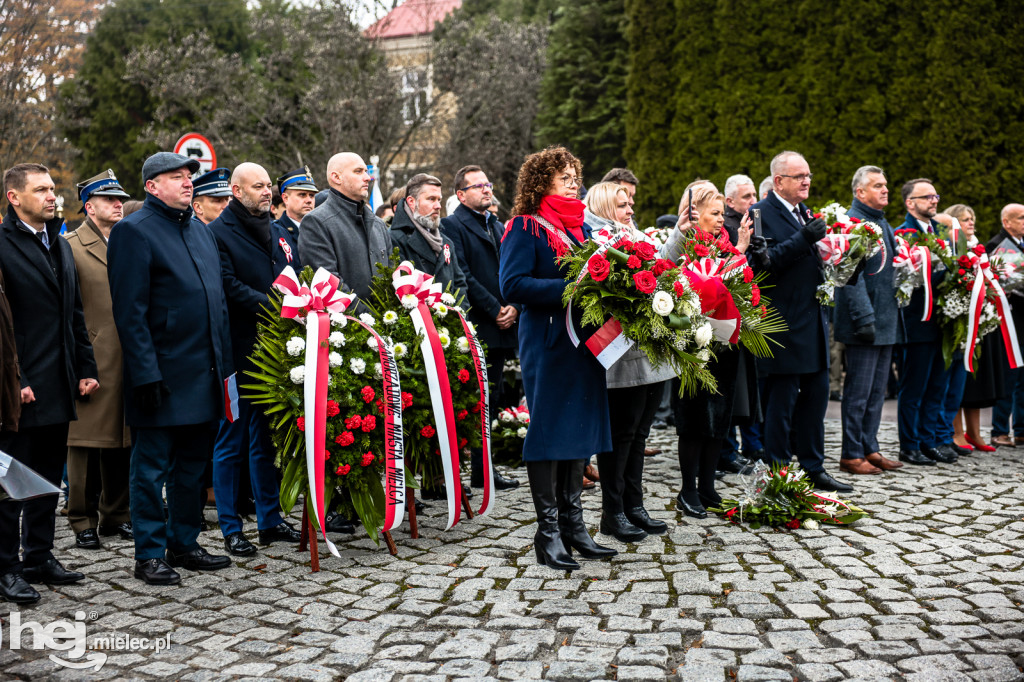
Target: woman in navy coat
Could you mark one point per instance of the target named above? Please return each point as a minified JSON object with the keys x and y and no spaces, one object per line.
{"x":564,"y":384}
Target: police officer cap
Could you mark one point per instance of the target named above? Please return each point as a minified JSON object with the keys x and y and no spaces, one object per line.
{"x":165,"y":162}
{"x":216,"y":183}
{"x":300,"y":178}
{"x":103,"y":185}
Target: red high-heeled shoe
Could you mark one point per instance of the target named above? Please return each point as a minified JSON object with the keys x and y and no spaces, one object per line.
{"x":980,"y":446}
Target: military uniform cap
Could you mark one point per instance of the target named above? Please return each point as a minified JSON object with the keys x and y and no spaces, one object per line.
{"x":300,"y":178}
{"x":216,"y":183}
{"x":103,"y":185}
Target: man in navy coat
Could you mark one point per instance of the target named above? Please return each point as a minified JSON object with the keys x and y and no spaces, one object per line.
{"x":253,"y":252}
{"x":796,"y":383}
{"x":172,"y":321}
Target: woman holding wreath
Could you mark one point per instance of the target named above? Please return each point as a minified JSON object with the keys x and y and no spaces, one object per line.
{"x":564,"y":384}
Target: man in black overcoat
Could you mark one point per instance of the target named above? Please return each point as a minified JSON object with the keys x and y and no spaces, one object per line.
{"x":57,"y":368}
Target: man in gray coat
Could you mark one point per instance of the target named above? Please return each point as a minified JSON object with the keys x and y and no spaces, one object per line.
{"x":867,"y":321}
{"x":342,"y":235}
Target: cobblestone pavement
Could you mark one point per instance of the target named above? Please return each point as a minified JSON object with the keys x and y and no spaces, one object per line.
{"x":930,"y":587}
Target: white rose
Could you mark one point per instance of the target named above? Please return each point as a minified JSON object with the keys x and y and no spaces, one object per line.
{"x":367,"y":319}
{"x":662,"y":303}
{"x":523,"y":417}
{"x":336,"y":339}
{"x":409,"y":301}
{"x":357,"y":365}
{"x":440,"y":310}
{"x":295,"y":346}
{"x":390,"y":317}
{"x":521,"y":432}
{"x":372,"y":343}
{"x":506,"y":416}
{"x":445,"y":339}
{"x":704,"y":334}
{"x":400,"y":350}
{"x":334,"y":359}
{"x":462,"y":343}
{"x":495,"y":424}
{"x":810,"y":524}
{"x":297,"y":375}
{"x":447,"y":299}
{"x":338,"y":320}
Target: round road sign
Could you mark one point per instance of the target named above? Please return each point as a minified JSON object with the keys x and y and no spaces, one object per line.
{"x":198,"y":147}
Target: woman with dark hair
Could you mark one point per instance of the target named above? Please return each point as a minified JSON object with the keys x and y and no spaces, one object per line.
{"x":564,"y":384}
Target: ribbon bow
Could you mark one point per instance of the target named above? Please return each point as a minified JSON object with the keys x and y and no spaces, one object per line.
{"x":982,"y":277}
{"x":322,"y":294}
{"x":916,"y":259}
{"x":832,"y":247}
{"x":408,"y":281}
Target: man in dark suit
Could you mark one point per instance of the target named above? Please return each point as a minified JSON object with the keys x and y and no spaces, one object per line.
{"x":476,"y":234}
{"x":172,"y":320}
{"x":1010,"y":240}
{"x":57,"y":367}
{"x":416,"y":231}
{"x":796,"y":383}
{"x":253,"y":252}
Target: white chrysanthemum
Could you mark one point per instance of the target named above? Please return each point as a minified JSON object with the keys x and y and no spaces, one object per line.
{"x":440,"y":310}
{"x":390,"y":317}
{"x":367,"y":319}
{"x":336,"y":339}
{"x":521,"y":432}
{"x":377,"y":371}
{"x":703,"y":355}
{"x":495,"y":424}
{"x":462,"y":343}
{"x":357,"y":365}
{"x":338,"y":320}
{"x":372,"y":343}
{"x":445,"y":339}
{"x":295,"y":346}
{"x":297,"y":375}
{"x":523,"y":417}
{"x":810,"y":524}
{"x":409,"y":301}
{"x":447,"y":299}
{"x":662,"y":303}
{"x":703,"y":335}
{"x":335,"y":359}
{"x":506,"y":416}
{"x":400,"y":349}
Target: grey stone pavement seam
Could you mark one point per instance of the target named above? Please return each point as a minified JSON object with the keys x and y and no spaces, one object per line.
{"x":929,"y":587}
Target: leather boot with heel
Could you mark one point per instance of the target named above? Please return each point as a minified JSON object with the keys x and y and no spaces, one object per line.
{"x":570,"y":513}
{"x":547,"y":542}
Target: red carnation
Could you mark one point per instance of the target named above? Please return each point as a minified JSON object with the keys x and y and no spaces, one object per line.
{"x":380,"y":405}
{"x":462,"y":415}
{"x":961,"y":271}
{"x":599,"y":267}
{"x":645,"y":281}
{"x":368,"y":394}
{"x":794,"y":524}
{"x":369,"y":423}
{"x":353,"y":422}
{"x":646,"y":251}
{"x":748,"y":274}
{"x":332,"y":409}
{"x":463,"y":375}
{"x":732,"y":512}
{"x":942,"y":243}
{"x":704,"y":236}
{"x":367,"y":459}
{"x":677,"y":287}
{"x":817,"y":215}
{"x":343,"y":470}
{"x":701,"y":250}
{"x":427,"y":431}
{"x":764,"y":310}
{"x":633,"y":263}
{"x":479,"y":406}
{"x":463,"y":442}
{"x":300,"y":423}
{"x":755,"y":295}
{"x":979,"y":249}
{"x":406,"y":400}
{"x":853,"y":220}
{"x":661,"y":265}
{"x":345,"y":438}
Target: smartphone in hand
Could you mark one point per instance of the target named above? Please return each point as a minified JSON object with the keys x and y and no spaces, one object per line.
{"x":755,"y":213}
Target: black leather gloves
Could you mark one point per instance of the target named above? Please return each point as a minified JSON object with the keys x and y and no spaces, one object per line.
{"x":758,"y":249}
{"x":814,"y":230}
{"x":150,"y":397}
{"x":865,"y":334}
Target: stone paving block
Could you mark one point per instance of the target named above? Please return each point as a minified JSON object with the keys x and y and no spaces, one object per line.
{"x":520,"y":670}
{"x":937,"y":676}
{"x":807,"y":611}
{"x":372,"y":675}
{"x":871,"y":669}
{"x":792,"y":641}
{"x":934,"y":664}
{"x":887,"y":651}
{"x":575,"y":671}
{"x":705,"y":656}
{"x":818,"y":672}
{"x":464,"y":667}
{"x":625,"y":673}
{"x":700,"y":672}
{"x":717,"y":640}
{"x":767,"y":657}
{"x":755,"y":673}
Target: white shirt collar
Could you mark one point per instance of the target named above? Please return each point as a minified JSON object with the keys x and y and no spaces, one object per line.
{"x":32,"y":229}
{"x":925,"y":224}
{"x":789,"y":206}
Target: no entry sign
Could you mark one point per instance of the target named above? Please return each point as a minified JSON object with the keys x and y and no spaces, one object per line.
{"x":198,"y":147}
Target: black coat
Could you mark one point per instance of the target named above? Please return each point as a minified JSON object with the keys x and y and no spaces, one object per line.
{"x":170,"y":313}
{"x":289,"y":226}
{"x":914,"y":330}
{"x":412,"y":246}
{"x":478,"y":256}
{"x":49,"y":326}
{"x":248,"y":271}
{"x":733,"y":218}
{"x":793,"y":277}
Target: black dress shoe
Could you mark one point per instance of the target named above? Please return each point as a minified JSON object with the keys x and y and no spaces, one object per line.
{"x":236,"y":544}
{"x":948,"y":451}
{"x":467,"y":492}
{"x":198,"y":560}
{"x":281,"y":531}
{"x":122,"y":529}
{"x":835,"y":396}
{"x":706,"y":501}
{"x":639,"y":517}
{"x":88,"y":539}
{"x":618,"y":526}
{"x":336,"y":523}
{"x":503,"y":483}
{"x":15,"y":589}
{"x":733,"y":466}
{"x":960,"y":451}
{"x":50,"y":572}
{"x":823,"y":481}
{"x":156,"y":572}
{"x":693,"y":509}
{"x":915,"y":457}
{"x":938,"y":455}
{"x":757,"y":455}
{"x":420,"y":506}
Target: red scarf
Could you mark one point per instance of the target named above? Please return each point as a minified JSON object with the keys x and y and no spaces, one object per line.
{"x":564,"y":213}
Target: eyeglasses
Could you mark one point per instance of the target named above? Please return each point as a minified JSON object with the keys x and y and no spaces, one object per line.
{"x":799,"y":178}
{"x":929,"y":197}
{"x":479,"y":185}
{"x":570,"y":181}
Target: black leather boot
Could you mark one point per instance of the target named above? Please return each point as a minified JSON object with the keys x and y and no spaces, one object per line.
{"x":547,"y":543}
{"x":570,"y":512}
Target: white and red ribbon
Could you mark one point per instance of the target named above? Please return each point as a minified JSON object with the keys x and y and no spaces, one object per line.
{"x":833,"y":247}
{"x":608,"y":344}
{"x":480,"y":366}
{"x":917,"y":259}
{"x":982,"y":279}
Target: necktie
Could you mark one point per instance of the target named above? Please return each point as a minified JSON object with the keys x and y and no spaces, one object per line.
{"x":796,"y":212}
{"x":492,"y":230}
{"x":44,"y":238}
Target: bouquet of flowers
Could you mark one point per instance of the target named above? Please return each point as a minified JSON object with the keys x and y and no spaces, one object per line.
{"x":917,"y":255}
{"x":847,"y":242}
{"x":1008,"y":264}
{"x":508,"y":430}
{"x":782,"y":496}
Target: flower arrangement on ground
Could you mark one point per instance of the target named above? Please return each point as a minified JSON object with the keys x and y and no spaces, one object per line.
{"x":508,"y":430}
{"x":783,"y":496}
{"x":847,"y":242}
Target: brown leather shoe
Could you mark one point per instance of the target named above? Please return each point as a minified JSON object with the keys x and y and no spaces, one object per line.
{"x":588,"y":484}
{"x":1003,"y":441}
{"x":878,"y":460}
{"x":591,"y":472}
{"x":651,"y":452}
{"x":858,"y":466}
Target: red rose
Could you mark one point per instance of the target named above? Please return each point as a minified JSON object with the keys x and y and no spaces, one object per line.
{"x":627,"y":246}
{"x":961,"y":271}
{"x":661,"y":265}
{"x":979,"y":249}
{"x":646,"y":251}
{"x":645,"y":281}
{"x":343,"y":470}
{"x":369,"y":423}
{"x":368,"y":394}
{"x":964,"y":261}
{"x":300,"y":423}
{"x":353,"y":422}
{"x":406,"y":400}
{"x":427,"y":431}
{"x":463,"y":375}
{"x":633,"y":263}
{"x":462,"y":415}
{"x":367,"y":459}
{"x":701,"y":250}
{"x":794,"y":524}
{"x":677,"y":287}
{"x":941,"y":242}
{"x":345,"y":438}
{"x":476,"y":408}
{"x":598,"y":267}
{"x":332,"y":409}
{"x":748,"y":274}
{"x":755,"y":295}
{"x":463,"y":442}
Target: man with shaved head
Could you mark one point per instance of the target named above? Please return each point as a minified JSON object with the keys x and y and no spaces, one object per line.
{"x":342,"y":234}
{"x":1010,"y":242}
{"x":253,"y":252}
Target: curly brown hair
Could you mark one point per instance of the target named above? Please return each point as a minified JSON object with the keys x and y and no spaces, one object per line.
{"x":537,"y":174}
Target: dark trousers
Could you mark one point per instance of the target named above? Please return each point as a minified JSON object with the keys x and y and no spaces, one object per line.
{"x":495,"y":358}
{"x":249,"y":435}
{"x":867,"y":373}
{"x":951,"y":403}
{"x":97,"y":487}
{"x":44,"y":449}
{"x":175,"y":456}
{"x":923,"y":384}
{"x":632,"y":413}
{"x":794,"y":422}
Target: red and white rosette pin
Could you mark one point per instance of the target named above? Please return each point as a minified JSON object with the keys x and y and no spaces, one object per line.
{"x":286,"y":248}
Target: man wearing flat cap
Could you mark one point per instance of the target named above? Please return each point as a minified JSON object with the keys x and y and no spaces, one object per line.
{"x":172,"y":320}
{"x":298,"y":192}
{"x":211,"y":193}
{"x":99,"y":443}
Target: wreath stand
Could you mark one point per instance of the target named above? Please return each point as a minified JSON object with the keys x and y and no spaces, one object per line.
{"x":410,"y":509}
